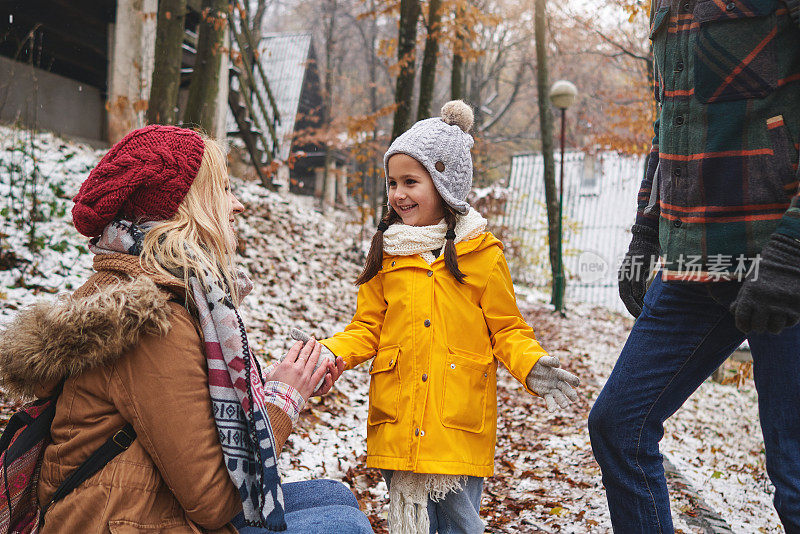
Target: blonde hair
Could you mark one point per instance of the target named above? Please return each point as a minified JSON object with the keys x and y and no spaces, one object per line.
{"x":198,"y":239}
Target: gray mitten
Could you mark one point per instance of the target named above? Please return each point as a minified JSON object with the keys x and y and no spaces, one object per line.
{"x":325,"y":354}
{"x":552,"y":383}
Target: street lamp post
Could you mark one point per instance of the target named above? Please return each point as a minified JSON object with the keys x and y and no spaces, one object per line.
{"x":562,"y":96}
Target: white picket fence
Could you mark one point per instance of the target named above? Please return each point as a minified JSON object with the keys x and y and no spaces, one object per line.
{"x":599,"y":208}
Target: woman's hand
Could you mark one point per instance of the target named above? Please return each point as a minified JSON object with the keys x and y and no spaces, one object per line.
{"x":297,"y":368}
{"x":330,"y":378}
{"x":336,"y":364}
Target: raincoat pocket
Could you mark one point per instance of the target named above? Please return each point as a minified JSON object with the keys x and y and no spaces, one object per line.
{"x":465,"y":388}
{"x":384,"y":386}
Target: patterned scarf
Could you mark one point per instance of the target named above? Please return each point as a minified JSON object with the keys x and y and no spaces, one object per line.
{"x":237,"y":393}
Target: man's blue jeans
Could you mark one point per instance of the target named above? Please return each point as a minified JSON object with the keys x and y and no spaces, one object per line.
{"x":684,"y":333}
{"x":316,"y":507}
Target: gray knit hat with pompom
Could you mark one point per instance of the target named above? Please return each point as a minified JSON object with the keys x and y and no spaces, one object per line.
{"x":442,"y":145}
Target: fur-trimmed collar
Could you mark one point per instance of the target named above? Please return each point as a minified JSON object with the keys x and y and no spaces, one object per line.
{"x":48,"y":341}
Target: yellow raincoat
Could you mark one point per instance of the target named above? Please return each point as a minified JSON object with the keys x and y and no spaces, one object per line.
{"x":435,"y":344}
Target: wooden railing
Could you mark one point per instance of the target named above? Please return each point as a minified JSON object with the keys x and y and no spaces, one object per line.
{"x":253,"y":104}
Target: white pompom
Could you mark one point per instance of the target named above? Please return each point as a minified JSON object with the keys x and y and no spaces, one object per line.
{"x":458,"y":113}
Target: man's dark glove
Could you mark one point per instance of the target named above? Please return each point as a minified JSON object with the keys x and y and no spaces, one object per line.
{"x":769,"y":299}
{"x":636,"y":267}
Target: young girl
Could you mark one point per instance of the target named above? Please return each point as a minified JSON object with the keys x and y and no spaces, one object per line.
{"x":436,"y":312}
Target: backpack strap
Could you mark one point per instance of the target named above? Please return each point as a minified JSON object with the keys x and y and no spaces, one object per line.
{"x":21,"y":419}
{"x":113,"y":446}
{"x":17,"y":421}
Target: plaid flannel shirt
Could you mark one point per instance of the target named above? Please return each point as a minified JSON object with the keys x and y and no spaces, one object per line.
{"x":285,"y":397}
{"x":722,"y":173}
{"x":282,"y":395}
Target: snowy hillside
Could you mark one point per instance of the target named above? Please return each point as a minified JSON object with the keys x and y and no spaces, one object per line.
{"x":303,"y":265}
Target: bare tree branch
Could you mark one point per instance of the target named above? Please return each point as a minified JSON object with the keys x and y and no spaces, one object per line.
{"x":620,"y":47}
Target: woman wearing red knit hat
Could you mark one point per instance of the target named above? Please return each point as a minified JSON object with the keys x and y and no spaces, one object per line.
{"x":153,"y":345}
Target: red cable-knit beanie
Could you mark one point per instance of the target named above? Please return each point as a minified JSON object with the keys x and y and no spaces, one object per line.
{"x":144,"y":177}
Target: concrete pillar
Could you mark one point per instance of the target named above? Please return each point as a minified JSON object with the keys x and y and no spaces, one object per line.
{"x":131,"y":57}
{"x":330,"y":185}
{"x":341,"y":185}
{"x":282,"y":178}
{"x":319,"y":176}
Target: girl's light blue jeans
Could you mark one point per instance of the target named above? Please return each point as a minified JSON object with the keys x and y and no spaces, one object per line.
{"x":458,"y":512}
{"x":316,"y":507}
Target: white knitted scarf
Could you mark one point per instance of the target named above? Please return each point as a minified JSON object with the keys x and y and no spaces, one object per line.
{"x":404,"y":240}
{"x":408,"y":499}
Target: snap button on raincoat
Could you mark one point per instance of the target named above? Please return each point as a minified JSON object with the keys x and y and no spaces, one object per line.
{"x":435,"y":345}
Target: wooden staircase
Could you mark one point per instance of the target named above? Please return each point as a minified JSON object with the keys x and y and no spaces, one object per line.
{"x":251,"y":100}
{"x":249,"y":96}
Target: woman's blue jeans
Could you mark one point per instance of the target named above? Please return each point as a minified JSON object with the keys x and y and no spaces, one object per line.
{"x":316,"y":507}
{"x":684,"y":333}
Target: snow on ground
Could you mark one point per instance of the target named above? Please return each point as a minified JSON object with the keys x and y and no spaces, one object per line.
{"x":303,"y":264}
{"x":50,"y":170}
{"x":715,"y":442}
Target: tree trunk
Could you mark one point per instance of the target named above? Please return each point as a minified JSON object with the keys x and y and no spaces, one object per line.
{"x":255,"y":23}
{"x":472,"y":91}
{"x":327,"y":99}
{"x":457,"y":78}
{"x":257,"y":28}
{"x":406,"y":57}
{"x":457,"y":74}
{"x":546,"y":124}
{"x":429,"y":58}
{"x":377,"y":193}
{"x":163,"y":105}
{"x":201,"y":106}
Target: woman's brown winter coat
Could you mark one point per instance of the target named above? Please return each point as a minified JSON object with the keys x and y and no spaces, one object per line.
{"x":130,"y":355}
